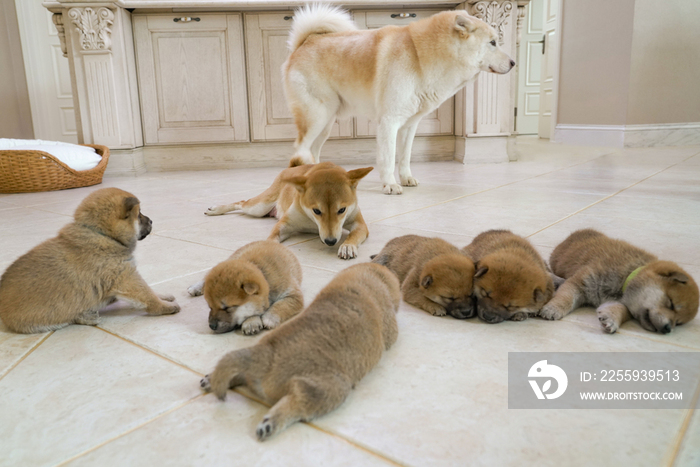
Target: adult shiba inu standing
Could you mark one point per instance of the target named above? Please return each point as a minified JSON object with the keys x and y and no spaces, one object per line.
{"x":394,"y":75}
{"x":623,"y":281}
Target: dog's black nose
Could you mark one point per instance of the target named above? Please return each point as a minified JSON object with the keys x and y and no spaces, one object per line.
{"x":512,"y":63}
{"x":330,"y":241}
{"x":213,"y":325}
{"x":666,"y":329}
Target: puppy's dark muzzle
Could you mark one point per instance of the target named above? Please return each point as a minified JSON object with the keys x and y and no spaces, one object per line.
{"x":462,"y":309}
{"x":220,"y":327}
{"x":145,"y":225}
{"x":488,"y":316}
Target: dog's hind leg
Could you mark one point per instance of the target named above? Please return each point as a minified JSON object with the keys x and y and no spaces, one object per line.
{"x":405,"y":144}
{"x":288,"y":306}
{"x":314,"y":119}
{"x":258,"y":206}
{"x":308,"y":398}
{"x":386,"y":154}
{"x":230,"y":372}
{"x":320,"y":139}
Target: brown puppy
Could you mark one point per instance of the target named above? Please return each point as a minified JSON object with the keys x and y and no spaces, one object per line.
{"x":258,"y":287}
{"x":307,"y":367}
{"x":435,"y":276}
{"x":623,"y":281}
{"x":311,"y":198}
{"x":90,"y":264}
{"x":511,"y":280}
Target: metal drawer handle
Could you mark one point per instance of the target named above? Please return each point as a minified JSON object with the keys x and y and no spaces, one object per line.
{"x":185,"y":19}
{"x":287,"y":18}
{"x":403,"y":15}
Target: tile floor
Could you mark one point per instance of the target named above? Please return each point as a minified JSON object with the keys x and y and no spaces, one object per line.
{"x":127,"y":392}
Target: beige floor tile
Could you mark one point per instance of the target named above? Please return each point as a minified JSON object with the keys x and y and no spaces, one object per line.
{"x":689,"y":453}
{"x":80,"y":388}
{"x":13,"y":347}
{"x":210,"y":432}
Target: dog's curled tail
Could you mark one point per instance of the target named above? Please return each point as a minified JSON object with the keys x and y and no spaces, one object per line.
{"x":318,"y":18}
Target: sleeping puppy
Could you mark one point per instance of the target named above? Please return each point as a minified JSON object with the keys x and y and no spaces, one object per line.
{"x":258,"y":287}
{"x":90,"y":264}
{"x":435,"y":276}
{"x":623,"y":281}
{"x":511,"y":280}
{"x":307,"y":367}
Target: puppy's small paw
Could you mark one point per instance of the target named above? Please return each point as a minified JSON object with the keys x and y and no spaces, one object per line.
{"x":167,"y":297}
{"x":409,"y":181}
{"x":609,"y":324}
{"x":195,"y":290}
{"x":550,"y":311}
{"x":170,"y":308}
{"x":215,"y":211}
{"x":265,"y":429}
{"x":436,"y":310}
{"x":519,"y":316}
{"x":252,"y":326}
{"x":392,"y":189}
{"x":348,"y":251}
{"x":270,"y":321}
{"x":205,"y":383}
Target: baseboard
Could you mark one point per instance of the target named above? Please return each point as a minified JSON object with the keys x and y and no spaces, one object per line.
{"x":629,"y":136}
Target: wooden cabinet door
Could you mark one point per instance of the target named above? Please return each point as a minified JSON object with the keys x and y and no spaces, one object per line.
{"x":438,"y":122}
{"x":192,"y":78}
{"x":266,"y":41}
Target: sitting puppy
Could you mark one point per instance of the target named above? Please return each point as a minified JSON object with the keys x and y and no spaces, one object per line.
{"x":310,"y":198}
{"x":511,"y":280}
{"x":435,"y":276}
{"x":623,"y":281}
{"x":89,"y":265}
{"x":307,"y":367}
{"x":258,"y":287}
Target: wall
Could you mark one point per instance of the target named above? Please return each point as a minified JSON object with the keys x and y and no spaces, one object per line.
{"x":15,"y":118}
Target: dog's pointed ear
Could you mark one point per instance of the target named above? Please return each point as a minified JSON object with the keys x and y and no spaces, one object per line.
{"x":480,"y":271}
{"x":250,"y":288}
{"x":129,"y":204}
{"x":358,"y":174}
{"x":426,"y":281}
{"x":677,"y":276}
{"x":298,"y":182}
{"x":464,"y":26}
{"x":538,"y":295}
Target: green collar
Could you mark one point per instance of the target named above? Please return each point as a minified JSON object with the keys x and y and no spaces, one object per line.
{"x":629,"y":279}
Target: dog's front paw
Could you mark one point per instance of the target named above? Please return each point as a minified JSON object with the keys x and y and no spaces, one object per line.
{"x":266,"y":428}
{"x":167,"y":297}
{"x":270,"y":321}
{"x":409,"y":181}
{"x":215,"y":211}
{"x":170,"y":309}
{"x":195,"y":290}
{"x":252,"y":326}
{"x":392,"y":189}
{"x":609,"y":323}
{"x":551,"y":311}
{"x":519,"y":316}
{"x":205,"y":383}
{"x":435,"y":309}
{"x":348,"y":251}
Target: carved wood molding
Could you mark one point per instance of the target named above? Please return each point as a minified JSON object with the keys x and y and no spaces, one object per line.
{"x":57,"y":19}
{"x":93,"y":26}
{"x":493,"y":13}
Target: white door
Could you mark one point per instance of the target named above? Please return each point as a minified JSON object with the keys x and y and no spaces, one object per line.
{"x":48,"y":75}
{"x":549,"y":66}
{"x":529,"y":69}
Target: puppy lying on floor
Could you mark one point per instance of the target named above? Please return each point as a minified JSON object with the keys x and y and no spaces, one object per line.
{"x":258,"y":286}
{"x":623,"y":281}
{"x":511,"y":280}
{"x":311,"y":198}
{"x":90,"y":264}
{"x":307,"y":367}
{"x":435,"y":276}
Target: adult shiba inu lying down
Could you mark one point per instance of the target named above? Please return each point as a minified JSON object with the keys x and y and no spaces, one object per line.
{"x":435,"y":276}
{"x":311,"y":198}
{"x":623,"y":281}
{"x":258,"y":286}
{"x":307,"y":367}
{"x":394,"y":75}
{"x":511,"y":279}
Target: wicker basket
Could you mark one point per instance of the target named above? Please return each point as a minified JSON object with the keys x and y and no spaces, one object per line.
{"x":27,"y":171}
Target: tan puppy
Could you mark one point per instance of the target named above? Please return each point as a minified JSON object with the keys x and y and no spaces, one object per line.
{"x":394,"y":75}
{"x":307,"y":367}
{"x":511,"y":280}
{"x":258,"y":287}
{"x":623,"y":281}
{"x":90,"y":264}
{"x":435,"y":276}
{"x":311,"y":198}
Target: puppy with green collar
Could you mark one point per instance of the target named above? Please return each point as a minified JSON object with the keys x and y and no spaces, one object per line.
{"x":623,"y":281}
